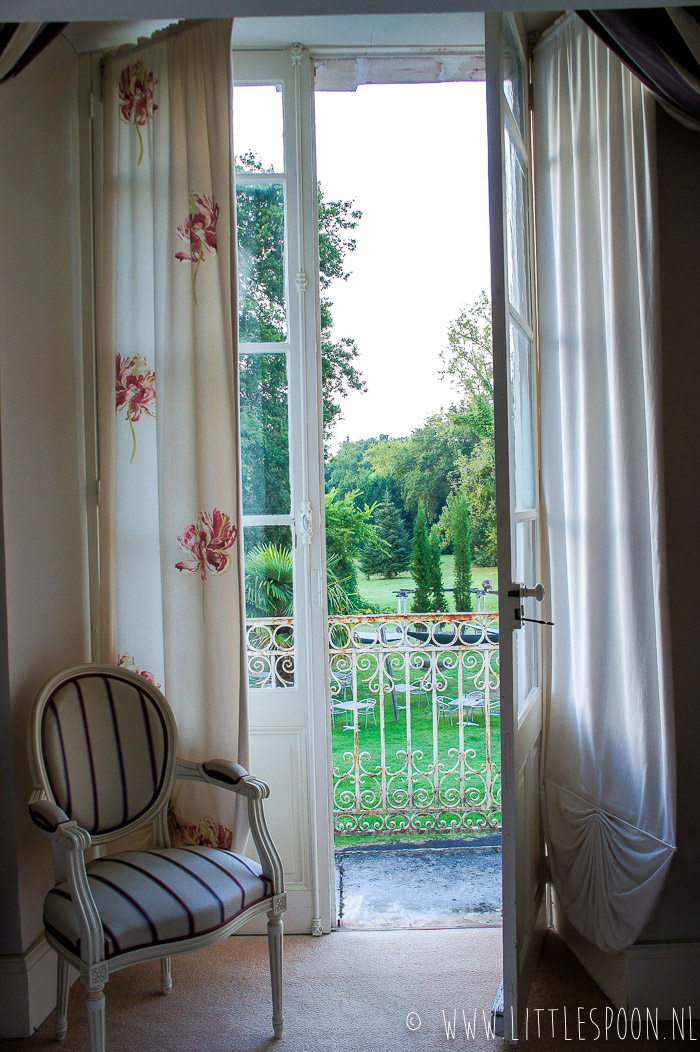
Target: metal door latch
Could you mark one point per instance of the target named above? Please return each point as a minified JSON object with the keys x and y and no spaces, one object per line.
{"x":520,"y":591}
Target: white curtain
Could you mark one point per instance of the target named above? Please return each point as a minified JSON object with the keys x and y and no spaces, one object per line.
{"x":169,"y":458}
{"x":609,"y":778}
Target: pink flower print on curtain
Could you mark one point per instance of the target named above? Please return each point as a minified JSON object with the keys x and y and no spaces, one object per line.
{"x":206,"y":832}
{"x":208,"y":542}
{"x":136,"y":88}
{"x":127,"y":661}
{"x":136,"y":391}
{"x":199,"y":232}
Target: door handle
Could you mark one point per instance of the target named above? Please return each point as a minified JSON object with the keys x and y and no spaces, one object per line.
{"x":520,"y":591}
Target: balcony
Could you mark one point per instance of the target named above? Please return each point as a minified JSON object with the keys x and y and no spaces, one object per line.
{"x":415,"y":711}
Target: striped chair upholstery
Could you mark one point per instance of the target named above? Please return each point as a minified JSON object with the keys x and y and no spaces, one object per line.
{"x":94,"y":777}
{"x":103,"y":755}
{"x":148,"y":898}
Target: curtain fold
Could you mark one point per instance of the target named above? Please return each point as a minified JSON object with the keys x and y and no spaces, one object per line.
{"x":609,"y":774}
{"x":22,"y":42}
{"x":171,"y":558}
{"x":661,"y":46}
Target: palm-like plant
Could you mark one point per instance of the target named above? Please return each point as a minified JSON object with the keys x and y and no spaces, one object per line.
{"x":269,"y":583}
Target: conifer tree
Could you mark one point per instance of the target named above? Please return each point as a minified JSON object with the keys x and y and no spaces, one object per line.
{"x":421,"y":565}
{"x":438,"y":595}
{"x":461,"y":545}
{"x":390,"y":554}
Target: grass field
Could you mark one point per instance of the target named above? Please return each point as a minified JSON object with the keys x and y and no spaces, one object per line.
{"x":380,"y":590}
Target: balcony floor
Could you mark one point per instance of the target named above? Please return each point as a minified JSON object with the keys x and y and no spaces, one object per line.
{"x":439,"y":884}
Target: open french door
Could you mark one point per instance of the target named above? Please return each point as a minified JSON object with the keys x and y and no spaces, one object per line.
{"x":517,"y":500}
{"x":282,"y":466}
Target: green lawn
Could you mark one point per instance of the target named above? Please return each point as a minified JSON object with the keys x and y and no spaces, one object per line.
{"x":380,"y":590}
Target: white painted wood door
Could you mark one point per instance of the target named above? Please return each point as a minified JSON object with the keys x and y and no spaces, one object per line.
{"x":288,"y":706}
{"x":517,"y":499}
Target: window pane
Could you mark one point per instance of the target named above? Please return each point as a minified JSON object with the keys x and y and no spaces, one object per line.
{"x":527,"y":639}
{"x":517,"y":231}
{"x":269,"y":594}
{"x":262,"y":310}
{"x":524,"y":438}
{"x":513,"y":76}
{"x":258,"y":123}
{"x":264,"y":434}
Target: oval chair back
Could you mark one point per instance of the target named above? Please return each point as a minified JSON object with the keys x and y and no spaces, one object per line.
{"x":104,"y":748}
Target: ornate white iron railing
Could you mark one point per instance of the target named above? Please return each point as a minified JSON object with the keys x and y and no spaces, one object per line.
{"x":420,"y":696}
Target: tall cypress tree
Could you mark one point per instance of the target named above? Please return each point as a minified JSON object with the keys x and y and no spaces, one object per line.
{"x":421,"y":565}
{"x":438,"y":595}
{"x":391,"y":556}
{"x":461,"y":545}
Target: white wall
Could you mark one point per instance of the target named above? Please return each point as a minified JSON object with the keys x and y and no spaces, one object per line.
{"x":43,"y":481}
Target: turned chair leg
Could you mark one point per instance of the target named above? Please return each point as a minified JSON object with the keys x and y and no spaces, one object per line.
{"x":62,"y":991}
{"x":275,"y":931}
{"x":166,"y":982}
{"x":96,"y":1018}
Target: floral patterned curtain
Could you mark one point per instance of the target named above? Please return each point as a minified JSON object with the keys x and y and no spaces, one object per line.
{"x":171,"y":560}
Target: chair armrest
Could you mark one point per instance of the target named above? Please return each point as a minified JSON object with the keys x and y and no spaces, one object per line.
{"x":47,"y":817}
{"x":69,"y":842}
{"x":229,"y":775}
{"x":226,"y":774}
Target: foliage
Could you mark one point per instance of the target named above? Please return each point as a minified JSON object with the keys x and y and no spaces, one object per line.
{"x":339,"y":375}
{"x":423,"y":463}
{"x":269,"y":588}
{"x":264,"y":428}
{"x":461,"y":545}
{"x":350,"y":469}
{"x":478,"y":478}
{"x":262,"y":319}
{"x":269,"y":581}
{"x":438,"y":594}
{"x":468,"y":361}
{"x":390,"y":554}
{"x":421,"y":565}
{"x":468,"y":358}
{"x":349,"y":529}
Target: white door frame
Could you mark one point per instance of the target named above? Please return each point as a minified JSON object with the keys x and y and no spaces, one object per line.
{"x":289,"y":726}
{"x":524,"y":912}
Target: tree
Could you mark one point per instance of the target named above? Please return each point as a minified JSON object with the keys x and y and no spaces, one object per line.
{"x":349,"y":469}
{"x":468,"y":357}
{"x":349,"y":528}
{"x":263,"y":319}
{"x":338,"y":373}
{"x":390,"y":554}
{"x":438,"y":595}
{"x":468,"y":361}
{"x":421,"y":565}
{"x":423,"y":463}
{"x":461,"y":546}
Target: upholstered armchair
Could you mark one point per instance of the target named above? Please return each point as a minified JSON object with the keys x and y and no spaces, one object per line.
{"x":103,"y":752}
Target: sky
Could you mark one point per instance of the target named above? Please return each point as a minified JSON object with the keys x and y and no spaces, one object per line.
{"x":413,"y":159}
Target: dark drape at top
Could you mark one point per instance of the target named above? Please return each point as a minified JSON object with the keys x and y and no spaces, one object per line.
{"x":661,"y":45}
{"x":21,"y":42}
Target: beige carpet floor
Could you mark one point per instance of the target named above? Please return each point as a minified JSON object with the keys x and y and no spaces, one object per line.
{"x":347,"y":992}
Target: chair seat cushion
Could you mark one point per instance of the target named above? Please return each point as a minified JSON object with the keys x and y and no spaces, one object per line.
{"x":147,"y":898}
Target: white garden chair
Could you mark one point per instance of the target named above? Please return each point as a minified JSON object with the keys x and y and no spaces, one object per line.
{"x":103,"y":753}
